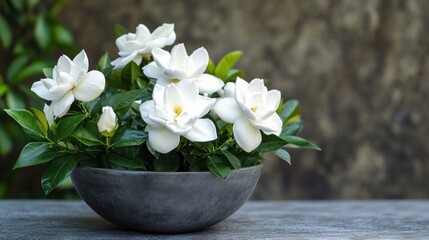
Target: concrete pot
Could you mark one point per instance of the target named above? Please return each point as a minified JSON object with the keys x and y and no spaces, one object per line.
{"x":164,"y":202}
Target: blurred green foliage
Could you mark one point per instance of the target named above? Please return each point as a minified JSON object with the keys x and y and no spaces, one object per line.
{"x":31,"y":36}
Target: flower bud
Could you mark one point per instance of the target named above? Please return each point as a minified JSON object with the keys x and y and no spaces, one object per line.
{"x":108,"y":122}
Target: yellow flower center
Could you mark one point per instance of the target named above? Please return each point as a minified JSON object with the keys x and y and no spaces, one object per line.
{"x":174,"y":81}
{"x":177,"y":110}
{"x":254,"y":109}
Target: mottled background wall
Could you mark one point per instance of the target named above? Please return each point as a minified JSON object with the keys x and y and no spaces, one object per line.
{"x":359,"y":68}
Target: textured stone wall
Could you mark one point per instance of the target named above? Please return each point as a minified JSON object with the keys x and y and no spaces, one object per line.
{"x":359,"y":68}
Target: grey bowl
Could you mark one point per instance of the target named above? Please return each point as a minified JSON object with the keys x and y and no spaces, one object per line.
{"x":164,"y":202}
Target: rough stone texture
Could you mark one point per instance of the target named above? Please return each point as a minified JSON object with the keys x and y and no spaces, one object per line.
{"x":359,"y":68}
{"x":255,"y":220}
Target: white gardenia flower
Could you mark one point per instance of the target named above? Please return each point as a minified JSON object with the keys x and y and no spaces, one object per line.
{"x":176,"y":66}
{"x":71,"y":80}
{"x":108,"y":122}
{"x":253,"y":108}
{"x":175,"y":111}
{"x":133,"y":46}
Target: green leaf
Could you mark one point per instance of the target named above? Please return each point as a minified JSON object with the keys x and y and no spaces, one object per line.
{"x":129,"y":137}
{"x":291,"y":128}
{"x":249,"y":161}
{"x":48,"y":72}
{"x":233,"y":74}
{"x":27,"y":121}
{"x":167,"y":162}
{"x":57,"y":6}
{"x":6,"y":142}
{"x":301,"y":142}
{"x":18,"y":5}
{"x":226,"y":63}
{"x":113,"y":79}
{"x":35,"y":68}
{"x":88,"y":135}
{"x":6,"y":33}
{"x":283,"y":154}
{"x":290,"y":109}
{"x":4,"y":88}
{"x":217,"y":165}
{"x":131,"y":152}
{"x":235,"y":162}
{"x":104,"y":62}
{"x":129,"y":74}
{"x":62,"y":36}
{"x":58,"y":170}
{"x":126,"y":163}
{"x":32,"y":3}
{"x":121,"y":102}
{"x":15,"y":66}
{"x":42,"y":32}
{"x":152,"y":151}
{"x":35,"y":153}
{"x":120,"y":30}
{"x":270,"y":143}
{"x":14,"y":100}
{"x":211,"y":67}
{"x":42,"y":122}
{"x":3,"y":189}
{"x":67,"y":125}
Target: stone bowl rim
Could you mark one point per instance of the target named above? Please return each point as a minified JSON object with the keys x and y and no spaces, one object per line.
{"x":145,"y":172}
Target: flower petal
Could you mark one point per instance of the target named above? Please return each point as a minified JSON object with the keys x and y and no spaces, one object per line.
{"x":256,"y":85}
{"x":62,"y":89}
{"x":241,"y":96}
{"x":179,"y":55}
{"x":145,"y":109}
{"x":271,"y":125}
{"x":165,"y":30}
{"x":199,"y":61}
{"x":209,"y":84}
{"x":122,"y":61}
{"x":246,"y":135}
{"x":49,"y":114}
{"x":80,"y":66}
{"x":173,"y":98}
{"x":229,"y":90}
{"x":189,"y":90}
{"x":120,"y":41}
{"x":272,"y":103}
{"x":48,"y":82}
{"x":227,"y":109}
{"x":240,"y":92}
{"x":203,"y":130}
{"x":158,"y":94}
{"x":162,"y":140}
{"x":61,"y":107}
{"x":161,"y":57}
{"x":64,"y":64}
{"x":41,"y":91}
{"x":90,"y":87}
{"x":203,"y":105}
{"x":185,"y":121}
{"x":152,"y":70}
{"x":142,"y":33}
{"x":108,"y":121}
{"x":64,"y":77}
{"x":177,"y":129}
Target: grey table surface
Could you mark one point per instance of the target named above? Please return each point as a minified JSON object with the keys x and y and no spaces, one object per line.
{"x":392,"y":219}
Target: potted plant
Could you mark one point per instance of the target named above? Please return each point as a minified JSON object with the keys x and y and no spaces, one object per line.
{"x":157,"y":140}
